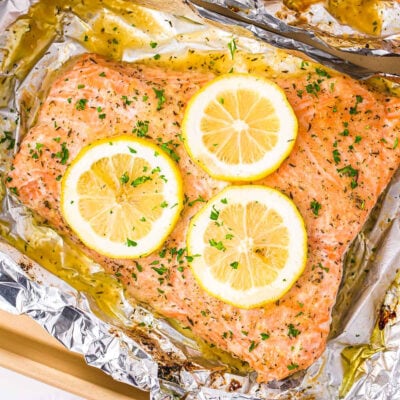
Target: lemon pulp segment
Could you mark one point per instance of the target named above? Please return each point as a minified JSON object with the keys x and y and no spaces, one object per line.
{"x":248,"y":245}
{"x":122,"y":196}
{"x":239,"y":127}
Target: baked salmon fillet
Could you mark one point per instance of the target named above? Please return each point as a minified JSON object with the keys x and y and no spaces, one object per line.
{"x":344,"y":157}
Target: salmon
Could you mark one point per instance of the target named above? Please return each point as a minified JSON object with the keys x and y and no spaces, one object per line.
{"x":344,"y":157}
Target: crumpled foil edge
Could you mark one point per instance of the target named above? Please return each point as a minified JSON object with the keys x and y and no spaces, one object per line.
{"x":325,"y":29}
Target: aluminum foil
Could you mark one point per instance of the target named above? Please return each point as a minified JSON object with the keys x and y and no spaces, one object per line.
{"x":127,"y":341}
{"x":318,"y":24}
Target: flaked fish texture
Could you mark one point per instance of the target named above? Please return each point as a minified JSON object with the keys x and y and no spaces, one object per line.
{"x":344,"y":157}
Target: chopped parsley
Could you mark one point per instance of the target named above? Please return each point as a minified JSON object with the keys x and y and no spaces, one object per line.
{"x":322,"y":72}
{"x":264,"y":336}
{"x":164,"y":204}
{"x":253,"y":345}
{"x":132,"y":150}
{"x":141,"y":128}
{"x":80,"y":105}
{"x":292,"y":366}
{"x":153,"y":45}
{"x":126,"y":101}
{"x":218,"y":245}
{"x":214,"y":214}
{"x":319,"y":265}
{"x":353,"y":110}
{"x":14,"y":190}
{"x":348,"y":170}
{"x":140,"y":180}
{"x":198,"y":199}
{"x":336,"y":156}
{"x":130,"y":243}
{"x":292,"y":331}
{"x":315,"y":207}
{"x":232,"y":47}
{"x":313,"y":88}
{"x":303,"y":65}
{"x":169,"y":151}
{"x":63,"y":154}
{"x":160,"y":97}
{"x":8,"y":137}
{"x":160,"y":270}
{"x":124,"y":178}
{"x":234,"y":265}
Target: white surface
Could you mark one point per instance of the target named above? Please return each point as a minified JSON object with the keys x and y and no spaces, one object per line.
{"x":18,"y":387}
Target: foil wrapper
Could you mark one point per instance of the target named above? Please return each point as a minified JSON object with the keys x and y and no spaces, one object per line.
{"x":127,"y":341}
{"x":313,"y":19}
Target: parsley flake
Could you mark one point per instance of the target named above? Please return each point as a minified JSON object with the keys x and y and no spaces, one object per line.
{"x":353,"y":110}
{"x":130,"y":243}
{"x":234,"y":265}
{"x":8,"y":137}
{"x":132,"y":150}
{"x":232,"y":47}
{"x":140,"y":180}
{"x":264,"y":336}
{"x":292,"y":366}
{"x":80,"y":105}
{"x":141,"y":129}
{"x":124,"y":178}
{"x":336,"y":156}
{"x":322,"y":72}
{"x":63,"y":154}
{"x":198,"y":199}
{"x":218,"y":245}
{"x":160,"y":97}
{"x":214,"y":214}
{"x":348,"y":170}
{"x":253,"y":345}
{"x":292,"y":331}
{"x":315,"y":207}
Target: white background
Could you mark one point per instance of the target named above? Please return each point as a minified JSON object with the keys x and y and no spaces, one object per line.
{"x":14,"y":386}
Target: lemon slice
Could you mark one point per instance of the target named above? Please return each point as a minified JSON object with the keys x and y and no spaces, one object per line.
{"x":122,"y":196}
{"x":239,"y":127}
{"x":248,"y":245}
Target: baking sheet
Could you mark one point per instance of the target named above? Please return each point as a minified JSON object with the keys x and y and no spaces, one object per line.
{"x":26,"y":348}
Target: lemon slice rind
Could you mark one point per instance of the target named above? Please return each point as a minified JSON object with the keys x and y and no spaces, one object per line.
{"x":161,"y":227}
{"x":192,"y":132}
{"x":256,"y":296}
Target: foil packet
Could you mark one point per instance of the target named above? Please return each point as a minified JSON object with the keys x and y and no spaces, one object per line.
{"x":365,"y":27}
{"x":120,"y":337}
